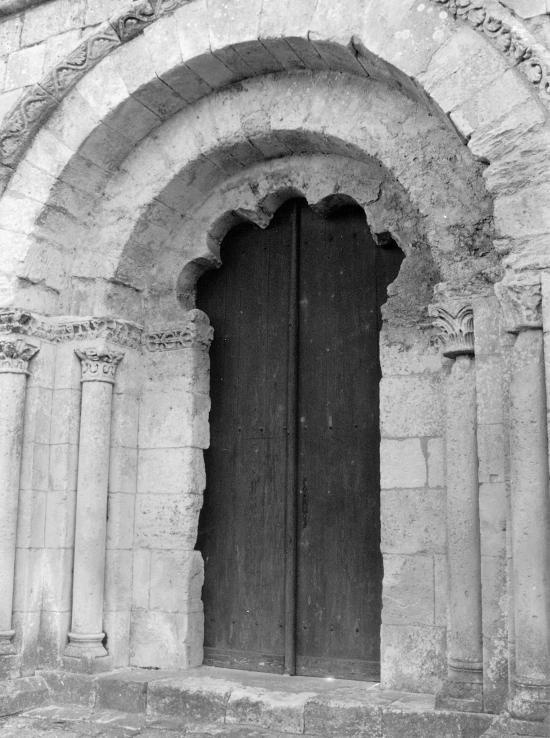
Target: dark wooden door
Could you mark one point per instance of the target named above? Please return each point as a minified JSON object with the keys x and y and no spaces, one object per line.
{"x":290,"y":528}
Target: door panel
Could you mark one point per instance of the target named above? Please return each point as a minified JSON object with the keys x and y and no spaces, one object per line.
{"x":339,"y":560}
{"x":338,"y":573}
{"x":241,"y":530}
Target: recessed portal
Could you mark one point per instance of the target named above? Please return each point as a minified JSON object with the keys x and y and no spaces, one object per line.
{"x":290,"y":528}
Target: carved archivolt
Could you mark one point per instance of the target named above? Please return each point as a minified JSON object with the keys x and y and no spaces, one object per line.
{"x":38,"y":103}
{"x":457,"y":329}
{"x":514,"y":42}
{"x":195,"y":331}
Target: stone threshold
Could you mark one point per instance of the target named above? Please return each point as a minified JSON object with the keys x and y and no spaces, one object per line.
{"x":224,"y":699}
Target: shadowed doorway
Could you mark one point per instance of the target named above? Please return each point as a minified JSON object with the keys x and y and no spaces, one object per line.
{"x":290,"y":528}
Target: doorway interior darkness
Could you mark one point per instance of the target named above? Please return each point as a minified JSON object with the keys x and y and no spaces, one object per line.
{"x":290,"y":528}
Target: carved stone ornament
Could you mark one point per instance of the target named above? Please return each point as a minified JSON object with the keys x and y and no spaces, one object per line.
{"x":520,"y":298}
{"x":457,"y":330}
{"x":15,"y":354}
{"x":99,"y":364}
{"x":196,"y":333}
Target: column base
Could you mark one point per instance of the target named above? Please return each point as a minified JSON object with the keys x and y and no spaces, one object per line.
{"x":7,"y":647}
{"x":463,"y":689}
{"x":529,"y":700}
{"x":86,"y":653}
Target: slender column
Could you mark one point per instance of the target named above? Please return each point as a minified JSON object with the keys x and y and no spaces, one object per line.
{"x":530,"y":508}
{"x":463,"y":687}
{"x":15,"y":354}
{"x":98,"y":376}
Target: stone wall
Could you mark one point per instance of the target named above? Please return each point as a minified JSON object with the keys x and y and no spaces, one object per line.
{"x":128,"y":149}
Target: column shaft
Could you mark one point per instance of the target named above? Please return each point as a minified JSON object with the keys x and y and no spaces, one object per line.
{"x":86,"y":636}
{"x":464,"y":642}
{"x":530,"y":524}
{"x":12,"y":393}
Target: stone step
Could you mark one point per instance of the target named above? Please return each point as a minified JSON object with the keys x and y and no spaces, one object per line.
{"x":227,"y":699}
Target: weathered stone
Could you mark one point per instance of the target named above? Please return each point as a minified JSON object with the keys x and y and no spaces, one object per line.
{"x":402,"y":464}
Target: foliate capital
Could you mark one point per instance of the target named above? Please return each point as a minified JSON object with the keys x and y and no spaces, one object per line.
{"x":520,"y":298}
{"x":15,"y":354}
{"x":98,"y":364}
{"x":456,"y":329}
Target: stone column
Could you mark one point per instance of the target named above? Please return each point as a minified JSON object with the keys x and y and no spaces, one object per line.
{"x":463,"y":687}
{"x":15,"y":354}
{"x":98,"y":375}
{"x":530,"y":509}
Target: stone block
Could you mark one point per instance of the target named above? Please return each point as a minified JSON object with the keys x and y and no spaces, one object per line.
{"x":19,"y":695}
{"x":34,"y":470}
{"x":124,"y":425}
{"x":233,"y":22}
{"x":402,"y":463}
{"x":63,"y":466}
{"x":123,"y":470}
{"x":449,"y":81}
{"x":25,"y":67}
{"x":171,"y":471}
{"x":100,"y":10}
{"x":16,"y":212}
{"x":58,"y":579}
{"x":398,"y":358}
{"x":328,"y":716}
{"x":60,"y":46}
{"x":67,"y":368}
{"x":162,"y":640}
{"x":171,"y":420}
{"x":28,"y":580}
{"x":167,"y":521}
{"x":60,"y":512}
{"x":38,"y":411}
{"x":65,"y":416}
{"x":436,"y":462}
{"x":397,"y":723}
{"x":49,"y":20}
{"x":116,"y":624}
{"x":408,"y":590}
{"x":141,"y":578}
{"x":118,"y":579}
{"x":278,"y":711}
{"x":425,"y":665}
{"x":114,"y":692}
{"x":410,"y":406}
{"x":10,"y":34}
{"x":490,"y":391}
{"x":441,"y":589}
{"x":196,"y":700}
{"x":413,"y":521}
{"x":492,"y":518}
{"x":523,"y":214}
{"x":31,"y":518}
{"x":176,"y":580}
{"x":491,"y":453}
{"x":120,"y":520}
{"x":68,"y":688}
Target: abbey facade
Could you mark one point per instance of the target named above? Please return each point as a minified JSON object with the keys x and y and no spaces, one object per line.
{"x":343,"y":209}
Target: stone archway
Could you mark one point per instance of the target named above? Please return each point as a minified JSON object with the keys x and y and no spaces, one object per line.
{"x":85,"y":232}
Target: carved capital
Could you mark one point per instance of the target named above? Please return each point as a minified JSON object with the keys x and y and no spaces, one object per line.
{"x":15,"y":354}
{"x":520,"y":298}
{"x":457,"y":330}
{"x":99,"y":364}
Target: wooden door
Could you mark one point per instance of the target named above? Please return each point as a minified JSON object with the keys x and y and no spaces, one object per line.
{"x":290,"y":529}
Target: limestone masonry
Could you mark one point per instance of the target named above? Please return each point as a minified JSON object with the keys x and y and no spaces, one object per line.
{"x":134,"y":136}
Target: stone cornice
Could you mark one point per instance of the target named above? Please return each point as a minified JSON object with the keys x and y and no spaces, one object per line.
{"x":195,"y":331}
{"x":15,"y":354}
{"x":99,"y":364}
{"x":507,"y":33}
{"x":520,"y":298}
{"x":456,"y":329}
